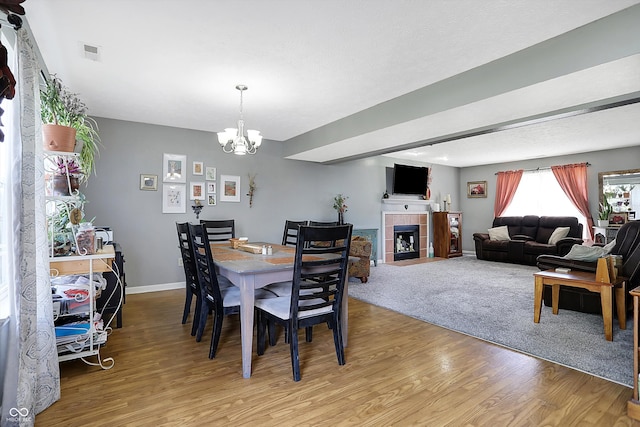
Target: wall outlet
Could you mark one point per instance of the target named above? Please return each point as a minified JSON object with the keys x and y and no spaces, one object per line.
{"x":180,"y":262}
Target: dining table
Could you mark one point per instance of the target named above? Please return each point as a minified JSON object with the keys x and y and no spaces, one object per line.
{"x":250,"y":271}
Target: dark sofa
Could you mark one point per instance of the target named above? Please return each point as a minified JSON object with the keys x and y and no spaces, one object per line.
{"x":528,"y":238}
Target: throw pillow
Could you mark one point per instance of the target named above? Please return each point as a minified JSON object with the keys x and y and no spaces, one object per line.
{"x":558,"y":233}
{"x":586,"y":253}
{"x":499,"y":233}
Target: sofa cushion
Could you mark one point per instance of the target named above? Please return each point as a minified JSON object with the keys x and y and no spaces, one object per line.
{"x":533,"y":249}
{"x":499,"y":233}
{"x":558,"y":233}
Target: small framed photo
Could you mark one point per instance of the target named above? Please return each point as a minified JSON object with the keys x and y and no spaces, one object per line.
{"x":211,"y":199}
{"x":148,"y":182}
{"x":617,"y":218}
{"x":631,"y":215}
{"x":476,"y":189}
{"x":211,"y":187}
{"x":197,"y":191}
{"x":211,"y":174}
{"x":174,"y":198}
{"x":230,"y":188}
{"x":174,"y":168}
{"x":198,"y":168}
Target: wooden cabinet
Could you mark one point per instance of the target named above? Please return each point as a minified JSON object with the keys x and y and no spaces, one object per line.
{"x":447,"y":234}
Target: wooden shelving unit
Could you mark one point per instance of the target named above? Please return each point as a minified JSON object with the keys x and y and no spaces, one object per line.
{"x":447,"y":234}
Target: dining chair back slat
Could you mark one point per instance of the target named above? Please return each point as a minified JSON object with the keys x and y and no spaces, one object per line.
{"x":219,"y":230}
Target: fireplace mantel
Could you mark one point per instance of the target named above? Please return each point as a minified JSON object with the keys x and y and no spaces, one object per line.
{"x":401,"y":204}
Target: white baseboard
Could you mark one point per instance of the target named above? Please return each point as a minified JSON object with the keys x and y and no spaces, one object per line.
{"x":155,"y":288}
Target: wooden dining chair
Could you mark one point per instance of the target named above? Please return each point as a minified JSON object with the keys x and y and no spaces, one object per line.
{"x":290,"y":236}
{"x":191,"y":276}
{"x":221,"y":302}
{"x":219,"y":230}
{"x":310,"y":304}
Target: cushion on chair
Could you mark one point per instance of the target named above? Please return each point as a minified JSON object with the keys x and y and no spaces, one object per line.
{"x":280,"y":307}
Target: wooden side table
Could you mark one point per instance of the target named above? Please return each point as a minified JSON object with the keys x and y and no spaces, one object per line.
{"x":600,"y":282}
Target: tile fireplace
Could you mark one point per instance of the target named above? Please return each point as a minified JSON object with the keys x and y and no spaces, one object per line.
{"x":407,"y":226}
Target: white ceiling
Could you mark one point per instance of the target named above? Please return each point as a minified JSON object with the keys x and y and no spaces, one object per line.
{"x":309,"y":63}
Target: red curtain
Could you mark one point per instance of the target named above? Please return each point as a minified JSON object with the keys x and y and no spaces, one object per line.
{"x":573,"y":181}
{"x":506,"y":186}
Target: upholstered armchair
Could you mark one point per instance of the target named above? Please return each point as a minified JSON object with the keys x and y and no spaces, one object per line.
{"x":360,"y":247}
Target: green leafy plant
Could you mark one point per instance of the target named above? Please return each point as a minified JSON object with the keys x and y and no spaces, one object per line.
{"x":339,"y":203}
{"x":605,"y":210}
{"x":60,"y":106}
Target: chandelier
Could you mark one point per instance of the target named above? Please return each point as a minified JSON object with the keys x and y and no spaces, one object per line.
{"x":233,"y":140}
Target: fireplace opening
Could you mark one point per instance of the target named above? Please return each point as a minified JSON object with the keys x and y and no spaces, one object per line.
{"x":406,"y":242}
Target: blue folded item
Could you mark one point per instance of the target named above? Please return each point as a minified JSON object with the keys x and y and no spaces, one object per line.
{"x":77,"y":329}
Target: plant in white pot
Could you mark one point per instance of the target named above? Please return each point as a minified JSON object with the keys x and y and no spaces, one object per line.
{"x":603,"y":215}
{"x":63,"y":111}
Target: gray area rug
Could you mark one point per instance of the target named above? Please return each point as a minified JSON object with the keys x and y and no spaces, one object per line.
{"x":494,"y":301}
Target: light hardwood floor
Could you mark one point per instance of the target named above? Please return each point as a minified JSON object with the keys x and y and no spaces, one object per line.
{"x":400,"y":371}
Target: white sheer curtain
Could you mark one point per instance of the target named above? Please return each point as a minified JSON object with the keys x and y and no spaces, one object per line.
{"x":540,"y":194}
{"x":33,"y":376}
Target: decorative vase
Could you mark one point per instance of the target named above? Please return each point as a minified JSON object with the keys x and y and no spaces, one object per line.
{"x":603,"y":223}
{"x":58,"y":138}
{"x":341,"y":218}
{"x":63,"y":188}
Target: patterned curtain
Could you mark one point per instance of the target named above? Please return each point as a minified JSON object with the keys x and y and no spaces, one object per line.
{"x":573,"y":181}
{"x":35,"y":359}
{"x":506,"y":186}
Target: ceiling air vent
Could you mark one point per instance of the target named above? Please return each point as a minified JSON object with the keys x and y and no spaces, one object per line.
{"x":90,"y":52}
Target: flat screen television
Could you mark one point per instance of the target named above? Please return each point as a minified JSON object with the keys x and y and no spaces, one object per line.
{"x":409,"y":179}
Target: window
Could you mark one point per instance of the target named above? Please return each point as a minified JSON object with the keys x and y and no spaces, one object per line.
{"x":540,"y":194}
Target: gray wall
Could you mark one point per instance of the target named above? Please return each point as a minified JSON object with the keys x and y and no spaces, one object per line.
{"x":478,"y":213}
{"x":286,"y":189}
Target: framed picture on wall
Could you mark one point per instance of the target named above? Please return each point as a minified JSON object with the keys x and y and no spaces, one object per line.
{"x":476,"y":189}
{"x":197,"y":191}
{"x":211,"y":174}
{"x":211,"y":199}
{"x":230,"y":185}
{"x":174,"y":168}
{"x":148,"y":182}
{"x":174,"y":198}
{"x":198,"y":168}
{"x":211,"y":187}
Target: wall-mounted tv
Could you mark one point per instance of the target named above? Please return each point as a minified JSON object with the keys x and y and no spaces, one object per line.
{"x":409,"y":179}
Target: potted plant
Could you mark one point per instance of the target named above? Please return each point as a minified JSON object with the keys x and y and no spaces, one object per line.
{"x":340,"y":206}
{"x":603,"y":215}
{"x":66,"y":177}
{"x":63,"y":111}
